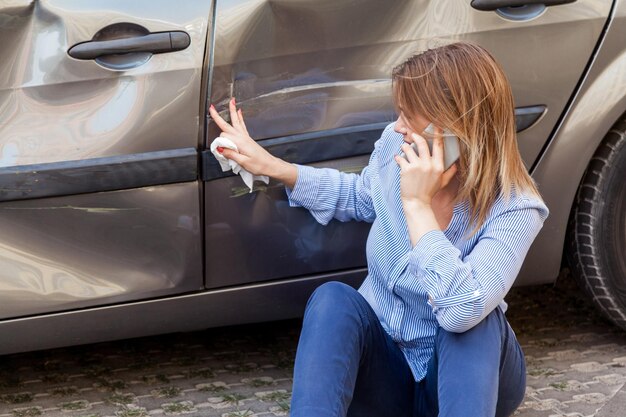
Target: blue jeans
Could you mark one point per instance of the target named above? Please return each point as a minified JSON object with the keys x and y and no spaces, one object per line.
{"x":347,"y":365}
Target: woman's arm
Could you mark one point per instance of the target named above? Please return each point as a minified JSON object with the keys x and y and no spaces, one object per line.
{"x":462,"y":291}
{"x":326,"y":193}
{"x":251,"y":156}
{"x":422,"y":175}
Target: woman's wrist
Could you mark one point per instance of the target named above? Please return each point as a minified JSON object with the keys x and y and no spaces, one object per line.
{"x":420,"y":219}
{"x":283,"y":171}
{"x":417,"y":212}
{"x":415,"y":205}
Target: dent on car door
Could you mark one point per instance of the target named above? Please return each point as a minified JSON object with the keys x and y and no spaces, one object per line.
{"x":313,"y":80}
{"x":99,"y":199}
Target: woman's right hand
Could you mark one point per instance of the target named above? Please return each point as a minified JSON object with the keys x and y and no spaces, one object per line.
{"x":251,"y":156}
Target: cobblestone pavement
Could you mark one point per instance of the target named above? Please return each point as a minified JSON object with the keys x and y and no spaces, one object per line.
{"x":576,"y":363}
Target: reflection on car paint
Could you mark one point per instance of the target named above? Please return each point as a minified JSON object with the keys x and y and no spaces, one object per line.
{"x":55,"y":108}
{"x":67,"y":252}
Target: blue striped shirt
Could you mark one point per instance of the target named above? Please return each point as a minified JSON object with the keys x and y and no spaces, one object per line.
{"x":447,"y":279}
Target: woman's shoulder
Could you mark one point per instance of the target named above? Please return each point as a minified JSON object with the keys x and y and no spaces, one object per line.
{"x":520,"y":200}
{"x":386,"y":146}
{"x":389,"y":130}
{"x":389,"y":138}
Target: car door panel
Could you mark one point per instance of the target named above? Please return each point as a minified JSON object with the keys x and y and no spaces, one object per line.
{"x":70,"y":252}
{"x":85,"y":151}
{"x":271,"y":240}
{"x":56,"y":108}
{"x":300,"y":66}
{"x":322,"y":66}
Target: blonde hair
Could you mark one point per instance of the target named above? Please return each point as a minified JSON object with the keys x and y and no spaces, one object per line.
{"x":462,"y":88}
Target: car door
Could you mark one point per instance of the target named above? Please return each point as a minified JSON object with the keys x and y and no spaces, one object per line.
{"x":313,"y":80}
{"x":99,"y":198}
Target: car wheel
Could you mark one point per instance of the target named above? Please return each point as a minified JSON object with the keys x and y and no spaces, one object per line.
{"x":596,"y":244}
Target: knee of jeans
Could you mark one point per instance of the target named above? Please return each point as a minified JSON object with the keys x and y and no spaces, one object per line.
{"x":331,"y":292}
{"x":331,"y":298}
{"x":491,"y":325}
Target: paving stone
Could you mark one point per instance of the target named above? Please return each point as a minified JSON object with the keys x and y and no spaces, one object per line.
{"x":588,"y":367}
{"x":565,"y":355}
{"x":615,"y":407}
{"x":576,"y":364}
{"x":611,"y":379}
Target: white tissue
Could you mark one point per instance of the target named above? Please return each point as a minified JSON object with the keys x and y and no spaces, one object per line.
{"x":228,"y":164}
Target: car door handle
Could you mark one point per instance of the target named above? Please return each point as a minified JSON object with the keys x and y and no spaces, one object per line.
{"x":154,"y":43}
{"x":492,"y":5}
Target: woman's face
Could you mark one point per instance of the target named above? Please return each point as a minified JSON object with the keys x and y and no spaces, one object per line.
{"x":404,"y":128}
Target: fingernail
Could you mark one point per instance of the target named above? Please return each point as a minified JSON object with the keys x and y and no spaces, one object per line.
{"x":213,"y":107}
{"x":220,"y":149}
{"x":232,"y":100}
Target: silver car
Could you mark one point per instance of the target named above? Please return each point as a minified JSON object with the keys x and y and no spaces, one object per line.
{"x":116,"y":221}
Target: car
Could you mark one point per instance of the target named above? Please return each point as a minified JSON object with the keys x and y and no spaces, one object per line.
{"x":116,"y":221}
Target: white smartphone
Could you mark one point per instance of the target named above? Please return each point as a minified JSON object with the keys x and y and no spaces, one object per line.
{"x":451,"y":150}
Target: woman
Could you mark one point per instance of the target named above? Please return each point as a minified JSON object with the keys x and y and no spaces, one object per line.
{"x":425,"y":335}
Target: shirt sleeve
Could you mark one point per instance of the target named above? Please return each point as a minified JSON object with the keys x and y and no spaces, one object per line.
{"x":464,"y":291}
{"x":328,"y":193}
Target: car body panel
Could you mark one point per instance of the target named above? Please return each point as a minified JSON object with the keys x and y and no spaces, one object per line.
{"x":61,"y":117}
{"x":598,"y":105}
{"x":66,"y":253}
{"x":244,"y":304}
{"x":75,"y":268}
{"x":272,"y":240}
{"x":309,"y":66}
{"x":56,"y":108}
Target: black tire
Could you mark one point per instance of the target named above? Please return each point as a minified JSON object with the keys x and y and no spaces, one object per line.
{"x":596,"y":243}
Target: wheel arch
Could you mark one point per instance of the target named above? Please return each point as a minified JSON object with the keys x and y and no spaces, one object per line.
{"x":599,"y":104}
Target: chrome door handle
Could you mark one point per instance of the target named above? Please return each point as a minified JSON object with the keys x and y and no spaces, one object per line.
{"x":153,"y":43}
{"x":492,"y":5}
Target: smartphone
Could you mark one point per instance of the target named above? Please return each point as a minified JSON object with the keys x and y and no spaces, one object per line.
{"x":451,"y":150}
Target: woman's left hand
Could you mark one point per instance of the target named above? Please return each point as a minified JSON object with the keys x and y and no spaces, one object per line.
{"x":422,"y":175}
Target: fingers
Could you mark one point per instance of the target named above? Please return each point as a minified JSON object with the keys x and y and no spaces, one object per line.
{"x":403,"y":163}
{"x":221,"y":123}
{"x":423,"y":156}
{"x":436,"y":156}
{"x":422,"y":145}
{"x":243,"y":124}
{"x":448,"y":175}
{"x":236,"y":118}
{"x":410,"y":152}
{"x":233,"y":154}
{"x":438,"y":149}
{"x":234,"y":115}
{"x":230,"y":136}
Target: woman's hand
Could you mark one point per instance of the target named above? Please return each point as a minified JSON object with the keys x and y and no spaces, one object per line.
{"x":251,"y":156}
{"x":422,"y":175}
